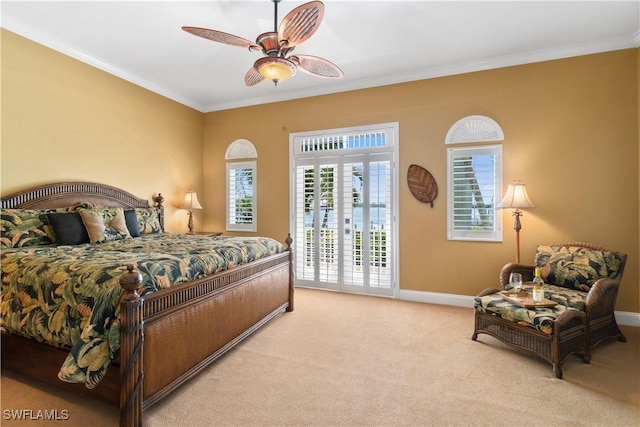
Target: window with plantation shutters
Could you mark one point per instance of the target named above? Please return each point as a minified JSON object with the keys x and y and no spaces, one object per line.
{"x":241,"y":196}
{"x":474,"y":184}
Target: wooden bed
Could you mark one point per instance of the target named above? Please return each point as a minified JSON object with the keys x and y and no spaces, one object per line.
{"x":225,"y":308}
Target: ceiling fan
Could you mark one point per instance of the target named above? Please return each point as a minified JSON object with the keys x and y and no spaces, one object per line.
{"x":277,"y":64}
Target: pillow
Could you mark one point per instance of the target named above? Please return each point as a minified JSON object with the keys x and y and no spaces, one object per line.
{"x":78,"y":206}
{"x":131,"y":219}
{"x":105,"y":225}
{"x":149,"y":220}
{"x":68,"y":228}
{"x":575,"y":267}
{"x":24,"y":227}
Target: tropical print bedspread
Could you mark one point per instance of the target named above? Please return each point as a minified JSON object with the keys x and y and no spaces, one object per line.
{"x":69,"y":296}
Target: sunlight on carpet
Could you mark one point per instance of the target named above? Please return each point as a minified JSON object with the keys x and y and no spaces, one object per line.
{"x":342,"y":359}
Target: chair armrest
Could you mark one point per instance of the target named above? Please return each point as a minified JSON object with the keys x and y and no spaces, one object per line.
{"x":568,"y":316}
{"x":525,"y":270}
{"x":601,"y":298}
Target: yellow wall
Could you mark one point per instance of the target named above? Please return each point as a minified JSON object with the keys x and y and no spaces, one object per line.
{"x":65,"y":120}
{"x":571,"y":131}
{"x":571,"y":135}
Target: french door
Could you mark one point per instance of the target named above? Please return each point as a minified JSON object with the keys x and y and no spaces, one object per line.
{"x":343,"y":213}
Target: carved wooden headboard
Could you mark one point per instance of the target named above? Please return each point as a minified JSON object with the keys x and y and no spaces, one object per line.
{"x":64,"y":194}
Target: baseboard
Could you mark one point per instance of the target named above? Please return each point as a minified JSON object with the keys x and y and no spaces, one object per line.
{"x":436,"y":298}
{"x":626,"y":318}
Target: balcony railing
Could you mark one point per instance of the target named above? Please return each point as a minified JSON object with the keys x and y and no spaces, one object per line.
{"x":378,"y":256}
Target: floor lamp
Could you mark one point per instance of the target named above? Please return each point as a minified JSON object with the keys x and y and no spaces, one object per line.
{"x":190,"y":203}
{"x":516,"y":198}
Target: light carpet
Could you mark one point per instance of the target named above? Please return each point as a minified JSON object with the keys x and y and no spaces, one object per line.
{"x":351,"y":360}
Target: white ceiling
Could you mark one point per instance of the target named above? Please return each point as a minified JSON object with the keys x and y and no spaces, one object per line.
{"x":374,"y":42}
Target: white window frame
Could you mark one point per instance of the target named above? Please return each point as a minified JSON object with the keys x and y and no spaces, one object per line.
{"x":331,"y":141}
{"x":454,"y":233}
{"x":232,"y":226}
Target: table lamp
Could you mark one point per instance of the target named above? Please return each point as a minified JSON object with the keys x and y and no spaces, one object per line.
{"x":190,"y":203}
{"x":516,"y":198}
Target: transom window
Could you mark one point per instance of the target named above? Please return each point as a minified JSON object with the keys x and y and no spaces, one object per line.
{"x":341,"y":142}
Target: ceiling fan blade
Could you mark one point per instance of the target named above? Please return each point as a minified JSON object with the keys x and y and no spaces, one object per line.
{"x":318,"y":67}
{"x":221,"y":37}
{"x":253,"y":77}
{"x":301,"y":23}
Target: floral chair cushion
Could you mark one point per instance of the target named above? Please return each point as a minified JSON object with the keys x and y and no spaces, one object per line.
{"x":570,"y":298}
{"x":575,"y":267}
{"x":540,"y":318}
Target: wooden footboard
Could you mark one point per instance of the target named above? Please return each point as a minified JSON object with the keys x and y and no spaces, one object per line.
{"x":187,"y":327}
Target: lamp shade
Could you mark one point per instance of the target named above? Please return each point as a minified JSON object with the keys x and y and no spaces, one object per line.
{"x":516,"y":197}
{"x":191,"y":201}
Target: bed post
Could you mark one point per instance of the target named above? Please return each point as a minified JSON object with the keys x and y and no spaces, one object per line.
{"x":131,"y":340}
{"x":289,"y":241}
{"x":158,"y":200}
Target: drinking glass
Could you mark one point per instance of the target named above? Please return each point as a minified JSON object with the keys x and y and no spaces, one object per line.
{"x":515,"y":280}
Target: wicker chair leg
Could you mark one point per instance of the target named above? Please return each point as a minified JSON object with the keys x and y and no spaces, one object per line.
{"x":474,"y":337}
{"x":557,"y":371}
{"x":603,"y":328}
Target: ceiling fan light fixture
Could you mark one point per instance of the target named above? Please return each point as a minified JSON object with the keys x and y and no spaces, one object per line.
{"x":268,"y":42}
{"x":275,"y":68}
{"x":277,"y":45}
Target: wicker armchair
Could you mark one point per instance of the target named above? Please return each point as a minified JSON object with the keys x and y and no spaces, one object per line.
{"x":599,"y":295}
{"x":582,"y":279}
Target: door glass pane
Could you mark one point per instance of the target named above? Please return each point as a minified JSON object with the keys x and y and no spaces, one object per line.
{"x":305,"y":219}
{"x":328,"y":230}
{"x":380,"y":224}
{"x":353,"y":190}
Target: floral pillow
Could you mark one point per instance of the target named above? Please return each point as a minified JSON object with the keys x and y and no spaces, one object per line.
{"x":149,"y":220}
{"x":31,"y":227}
{"x":105,"y":225}
{"x":575,"y":267}
{"x":24,"y":227}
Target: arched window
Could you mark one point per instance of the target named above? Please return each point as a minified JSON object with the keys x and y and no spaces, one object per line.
{"x":474,"y":181}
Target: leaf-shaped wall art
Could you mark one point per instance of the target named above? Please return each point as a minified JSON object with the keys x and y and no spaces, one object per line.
{"x":422,"y":184}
